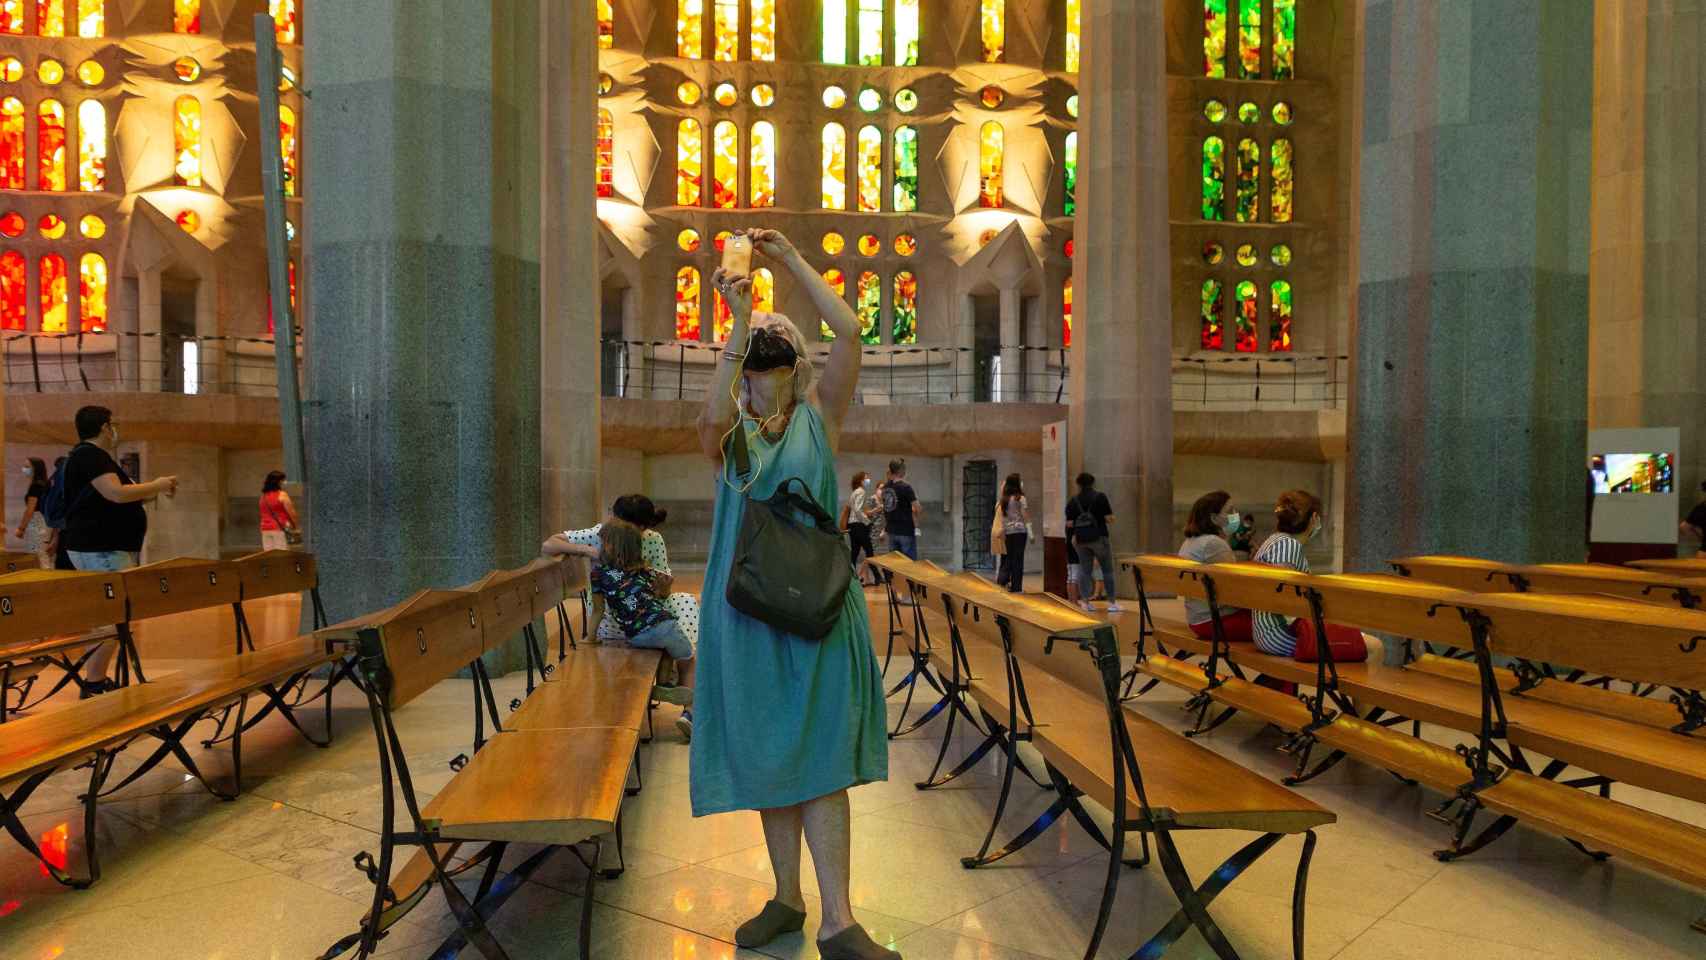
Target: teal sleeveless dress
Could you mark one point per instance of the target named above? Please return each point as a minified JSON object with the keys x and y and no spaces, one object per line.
{"x":779,"y":720}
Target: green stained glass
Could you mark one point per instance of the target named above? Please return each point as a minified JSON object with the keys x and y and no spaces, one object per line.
{"x":1279,"y":317}
{"x":1071,"y":168}
{"x":906,"y":33}
{"x":1214,"y":111}
{"x":834,"y":31}
{"x":1213,"y":179}
{"x":871,"y":33}
{"x":1249,"y":174}
{"x":1246,"y":254}
{"x":1244,"y":310}
{"x":1280,"y":255}
{"x":1214,"y":38}
{"x":905,"y":169}
{"x":1282,"y":113}
{"x":905,"y":326}
{"x":1285,"y":39}
{"x":869,"y":307}
{"x":1279,"y":197}
{"x":1249,"y":112}
{"x":906,"y":100}
{"x":1213,"y":304}
{"x":1249,"y":39}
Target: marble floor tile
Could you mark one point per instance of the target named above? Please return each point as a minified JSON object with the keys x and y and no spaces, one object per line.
{"x":1392,"y":940}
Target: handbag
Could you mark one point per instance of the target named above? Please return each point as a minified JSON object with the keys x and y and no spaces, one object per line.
{"x":791,"y":567}
{"x":997,"y":537}
{"x":292,"y":533}
{"x":1345,"y":643}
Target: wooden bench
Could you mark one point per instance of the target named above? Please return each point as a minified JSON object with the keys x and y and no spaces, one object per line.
{"x":1062,"y":674}
{"x":1686,"y":566}
{"x":11,"y":561}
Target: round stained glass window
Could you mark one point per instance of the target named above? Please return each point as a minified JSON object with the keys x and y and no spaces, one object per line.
{"x":606,"y":83}
{"x":986,"y":238}
{"x":870,"y":100}
{"x":50,"y":72}
{"x":906,"y":244}
{"x":688,"y":92}
{"x":1068,"y":248}
{"x":763,"y":95}
{"x":90,"y":73}
{"x":1072,"y":106}
{"x":1246,"y":255}
{"x":688,"y":240}
{"x":718,"y":238}
{"x":834,"y":243}
{"x":1282,"y":113}
{"x":1249,"y":112}
{"x":187,"y":69}
{"x":12,"y":224}
{"x":286,"y":79}
{"x":11,"y":70}
{"x":1280,"y":254}
{"x":1214,"y":111}
{"x":992,"y":96}
{"x":869,"y":245}
{"x":725,"y":94}
{"x":834,"y":98}
{"x":52,"y":226}
{"x":1213,"y":253}
{"x":190,"y":221}
{"x":906,"y":100}
{"x":92,"y":227}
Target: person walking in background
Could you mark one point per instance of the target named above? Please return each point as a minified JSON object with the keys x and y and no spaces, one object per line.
{"x":856,"y":520}
{"x":1015,"y":513}
{"x":279,"y":528}
{"x":32,"y":526}
{"x":901,"y":511}
{"x":1087,"y":518}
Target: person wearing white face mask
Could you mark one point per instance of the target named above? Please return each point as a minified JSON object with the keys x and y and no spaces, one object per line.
{"x":1211,"y":522}
{"x":856,"y":520}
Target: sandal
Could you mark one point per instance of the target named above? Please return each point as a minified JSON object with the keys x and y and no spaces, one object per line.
{"x":854,"y":943}
{"x":773,"y":921}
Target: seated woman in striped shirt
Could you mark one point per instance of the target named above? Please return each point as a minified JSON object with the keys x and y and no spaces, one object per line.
{"x":1300,"y":520}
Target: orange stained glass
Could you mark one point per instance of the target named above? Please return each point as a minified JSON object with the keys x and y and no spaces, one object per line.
{"x":687,"y":303}
{"x":186,"y":16}
{"x":11,"y":68}
{"x":12,"y":224}
{"x":13,"y":287}
{"x":869,"y":245}
{"x":763,"y":172}
{"x":605,"y":166}
{"x":722,"y":318}
{"x":51,"y":226}
{"x":50,"y":18}
{"x":189,"y":221}
{"x":837,"y":281}
{"x":992,"y":148}
{"x":186,"y":141}
{"x":689,"y":162}
{"x":870,"y":169}
{"x":869,"y":307}
{"x":11,"y":144}
{"x":994,"y":21}
{"x":834,"y":166}
{"x":725,"y":23}
{"x":725,"y":165}
{"x":904,"y":328}
{"x":764,"y":290}
{"x":187,"y":69}
{"x":1066,"y":313}
{"x":287,"y":148}
{"x":54,"y":293}
{"x":284,"y":19}
{"x":50,"y":146}
{"x":719,"y":238}
{"x":833,"y":243}
{"x":606,"y":25}
{"x":92,"y":292}
{"x":12,"y":17}
{"x":91,"y":146}
{"x":690,"y":29}
{"x":906,"y":245}
{"x":91,"y":18}
{"x":688,"y":240}
{"x":762,"y":32}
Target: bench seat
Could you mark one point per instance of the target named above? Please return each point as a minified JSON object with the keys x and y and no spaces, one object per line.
{"x":591,"y":691}
{"x":1646,"y":711}
{"x":555,"y":787}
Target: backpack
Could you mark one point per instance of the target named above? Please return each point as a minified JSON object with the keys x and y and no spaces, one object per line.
{"x":54,"y":510}
{"x":1084,"y":525}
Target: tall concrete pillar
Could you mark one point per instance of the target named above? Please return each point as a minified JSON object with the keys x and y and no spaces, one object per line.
{"x":1121,"y":426}
{"x":1011,"y":384}
{"x":1469,"y":402}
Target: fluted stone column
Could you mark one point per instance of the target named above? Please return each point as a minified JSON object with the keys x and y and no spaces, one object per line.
{"x":1468,"y":418}
{"x":1121,"y":426}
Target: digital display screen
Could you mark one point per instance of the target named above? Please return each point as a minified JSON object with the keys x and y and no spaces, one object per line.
{"x":1633,"y":472}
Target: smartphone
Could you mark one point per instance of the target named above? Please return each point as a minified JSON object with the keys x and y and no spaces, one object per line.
{"x":737,"y":255}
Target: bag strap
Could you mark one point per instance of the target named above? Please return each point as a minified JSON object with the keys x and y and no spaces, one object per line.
{"x":743,"y":460}
{"x":804,"y":501}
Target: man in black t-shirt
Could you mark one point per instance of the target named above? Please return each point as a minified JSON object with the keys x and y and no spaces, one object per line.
{"x":1087,"y":518}
{"x":1695,"y":525}
{"x":901,"y":511}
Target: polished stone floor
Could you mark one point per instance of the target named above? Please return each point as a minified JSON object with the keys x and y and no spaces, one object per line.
{"x":270,"y":875}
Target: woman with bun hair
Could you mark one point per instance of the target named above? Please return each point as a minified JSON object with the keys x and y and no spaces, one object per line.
{"x":639,"y":510}
{"x":1298,"y":514}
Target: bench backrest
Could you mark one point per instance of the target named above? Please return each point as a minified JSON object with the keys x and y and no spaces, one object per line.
{"x":180,"y":585}
{"x":272,"y":573}
{"x":426,"y":639}
{"x":1625,"y":639}
{"x":506,"y":604}
{"x":1490,"y":576}
{"x":42,"y":603}
{"x":1474,"y":574}
{"x":1033,"y":622}
{"x":11,"y":561}
{"x":1687,"y":566}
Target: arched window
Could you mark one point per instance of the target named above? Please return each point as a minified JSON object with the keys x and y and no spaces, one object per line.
{"x":994,"y":19}
{"x":12,"y":17}
{"x":762,"y":33}
{"x":1244,"y":317}
{"x":1279,"y":317}
{"x":1213,"y":179}
{"x":186,"y":141}
{"x":1249,"y":39}
{"x":1214,"y":38}
{"x":51,"y":275}
{"x":1066,"y":312}
{"x":11,"y":144}
{"x":1285,"y":39}
{"x":284,"y":19}
{"x":905,"y":169}
{"x":605,"y":145}
{"x":92,"y":290}
{"x":1070,"y":174}
{"x":186,"y":16}
{"x":690,"y":29}
{"x":1279,"y":200}
{"x":834,"y":166}
{"x":1249,"y":178}
{"x":871,"y":33}
{"x":606,"y":25}
{"x":687,"y":303}
{"x":725,"y":23}
{"x":906,"y":32}
{"x":13,"y":286}
{"x":992,"y":148}
{"x":50,"y":18}
{"x":835,"y":31}
{"x":762,"y":190}
{"x":725,"y":165}
{"x":287,"y":148}
{"x":837,"y":281}
{"x":689,"y":162}
{"x":869,"y":307}
{"x":905,"y":326}
{"x":1073,"y":15}
{"x":764,"y":290}
{"x":91,"y":18}
{"x":870,"y":169}
{"x":91,"y":146}
{"x":1213,"y":305}
{"x":722,"y":318}
{"x":50,"y":146}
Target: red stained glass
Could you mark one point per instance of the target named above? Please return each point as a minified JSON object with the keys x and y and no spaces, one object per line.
{"x":12,"y":224}
{"x":687,"y":303}
{"x":53,"y":293}
{"x":50,"y":146}
{"x":13,"y":284}
{"x":11,"y":144}
{"x":606,"y":154}
{"x":1213,"y":305}
{"x":1066,"y":313}
{"x":1244,"y":317}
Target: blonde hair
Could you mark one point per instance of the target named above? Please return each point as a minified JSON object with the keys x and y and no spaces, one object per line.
{"x":619,"y":545}
{"x":804,"y":373}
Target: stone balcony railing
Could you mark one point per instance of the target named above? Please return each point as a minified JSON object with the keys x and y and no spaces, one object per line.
{"x":113,"y":362}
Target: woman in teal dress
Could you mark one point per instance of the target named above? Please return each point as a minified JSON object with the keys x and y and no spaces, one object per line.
{"x":784,"y":725}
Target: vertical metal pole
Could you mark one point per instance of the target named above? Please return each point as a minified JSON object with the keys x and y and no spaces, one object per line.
{"x":267,"y":75}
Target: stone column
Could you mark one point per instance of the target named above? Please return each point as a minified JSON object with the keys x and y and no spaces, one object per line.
{"x":1121,"y":426}
{"x":1469,"y":395}
{"x":1011,"y":383}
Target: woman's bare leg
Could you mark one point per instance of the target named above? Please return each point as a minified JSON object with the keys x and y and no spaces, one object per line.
{"x":782,"y":838}
{"x":828,"y":832}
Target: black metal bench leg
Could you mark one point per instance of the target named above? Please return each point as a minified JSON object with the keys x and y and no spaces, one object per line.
{"x":1012,"y":746}
{"x":10,"y":805}
{"x":971,"y":759}
{"x":1299,"y":895}
{"x":1320,"y":768}
{"x":1194,"y":900}
{"x":587,"y":901}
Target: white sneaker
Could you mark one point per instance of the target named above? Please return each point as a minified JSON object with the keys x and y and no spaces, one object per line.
{"x":1084,"y":605}
{"x":684,"y":723}
{"x":1114,"y":607}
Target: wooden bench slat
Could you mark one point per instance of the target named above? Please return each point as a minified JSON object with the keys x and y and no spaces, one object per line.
{"x":179,"y":585}
{"x":1646,"y":711}
{"x":1688,"y":566}
{"x":594,"y":686}
{"x":272,"y":573}
{"x":538,"y":786}
{"x":56,"y":602}
{"x":430,"y":636}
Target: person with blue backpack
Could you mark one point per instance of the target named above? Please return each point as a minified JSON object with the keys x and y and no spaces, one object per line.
{"x":1087,"y":518}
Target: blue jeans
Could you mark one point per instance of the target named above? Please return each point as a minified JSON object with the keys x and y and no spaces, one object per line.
{"x":665,"y":636}
{"x":105,"y":560}
{"x":905,"y":544}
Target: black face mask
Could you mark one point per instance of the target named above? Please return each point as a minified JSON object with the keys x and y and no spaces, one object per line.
{"x":769,"y":351}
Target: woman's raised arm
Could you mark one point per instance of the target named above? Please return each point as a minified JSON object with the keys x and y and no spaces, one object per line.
{"x":841,"y":373}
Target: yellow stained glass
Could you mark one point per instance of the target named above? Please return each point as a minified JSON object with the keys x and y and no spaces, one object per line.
{"x":11,"y":144}
{"x":189,"y":221}
{"x":12,"y":17}
{"x":834,"y":243}
{"x":837,"y":281}
{"x":92,"y":227}
{"x":90,"y":73}
{"x":726,"y":23}
{"x":869,"y":245}
{"x":688,"y":240}
{"x":50,"y":146}
{"x":906,"y":32}
{"x":187,"y":69}
{"x":834,"y":166}
{"x":725,"y":94}
{"x":762,"y":34}
{"x":50,"y":18}
{"x":51,"y":226}
{"x":764,"y":290}
{"x":1214,"y":38}
{"x":994,"y":21}
{"x":186,"y":141}
{"x":604,"y":163}
{"x":725,"y":165}
{"x":287,"y":148}
{"x":186,"y":16}
{"x":870,"y":307}
{"x":763,"y":171}
{"x":1279,"y":197}
{"x":50,"y":72}
{"x":284,"y":19}
{"x":11,"y":68}
{"x":834,"y":97}
{"x":14,"y":296}
{"x":606,"y":25}
{"x":1072,"y":44}
{"x":91,"y":146}
{"x":870,"y":169}
{"x":688,"y":92}
{"x":687,"y":303}
{"x":92,"y":290}
{"x":835,"y":31}
{"x":54,"y":293}
{"x":690,"y":29}
{"x":763,"y":95}
{"x":906,"y":244}
{"x":871,"y":33}
{"x":689,"y":162}
{"x":91,"y":18}
{"x":992,"y":147}
{"x":722,"y":318}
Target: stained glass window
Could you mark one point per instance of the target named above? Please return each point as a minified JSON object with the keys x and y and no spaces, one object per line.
{"x":1246,"y":254}
{"x":1280,"y":255}
{"x":764,"y":290}
{"x":688,"y":92}
{"x":689,"y":162}
{"x":871,"y":33}
{"x":905,"y":244}
{"x":992,"y":96}
{"x":688,"y":240}
{"x":187,"y":69}
{"x":1213,"y":179}
{"x":870,"y":169}
{"x":287,"y":149}
{"x":763,"y":174}
{"x":870,"y":100}
{"x":994,"y":20}
{"x":762,"y":34}
{"x":284,"y":19}
{"x":186,"y":140}
{"x":1279,"y":317}
{"x":1279,"y":198}
{"x":1072,"y":18}
{"x":1070,"y":206}
{"x":726,"y":25}
{"x":1213,"y":305}
{"x":11,"y":144}
{"x":605,"y":146}
{"x":1214,"y":38}
{"x":91,"y":18}
{"x":869,"y":307}
{"x":725,"y":94}
{"x":834,"y":97}
{"x":91,"y":146}
{"x":606,"y":25}
{"x":50,"y":71}
{"x":50,"y":146}
{"x":1214,"y":111}
{"x":1249,"y":179}
{"x":687,"y":303}
{"x":869,"y":245}
{"x":11,"y":224}
{"x":90,"y":73}
{"x":1066,"y":312}
{"x":834,"y":166}
{"x":725,"y":165}
{"x":763,"y":94}
{"x":54,"y":293}
{"x":834,"y":31}
{"x":51,"y":226}
{"x":1213,"y":253}
{"x":1282,"y":113}
{"x":188,"y":221}
{"x":50,"y":18}
{"x":12,"y":18}
{"x":186,"y":16}
{"x":92,"y":292}
{"x":1244,"y":316}
{"x":1249,"y":39}
{"x":992,"y":148}
{"x":906,"y":100}
{"x":690,"y":29}
{"x":834,"y":243}
{"x":906,"y":32}
{"x":905,"y":326}
{"x":837,"y":281}
{"x":905,"y":169}
{"x":1248,"y":112}
{"x":11,"y":68}
{"x":13,"y":290}
{"x":722,"y":318}
{"x":1285,"y":39}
